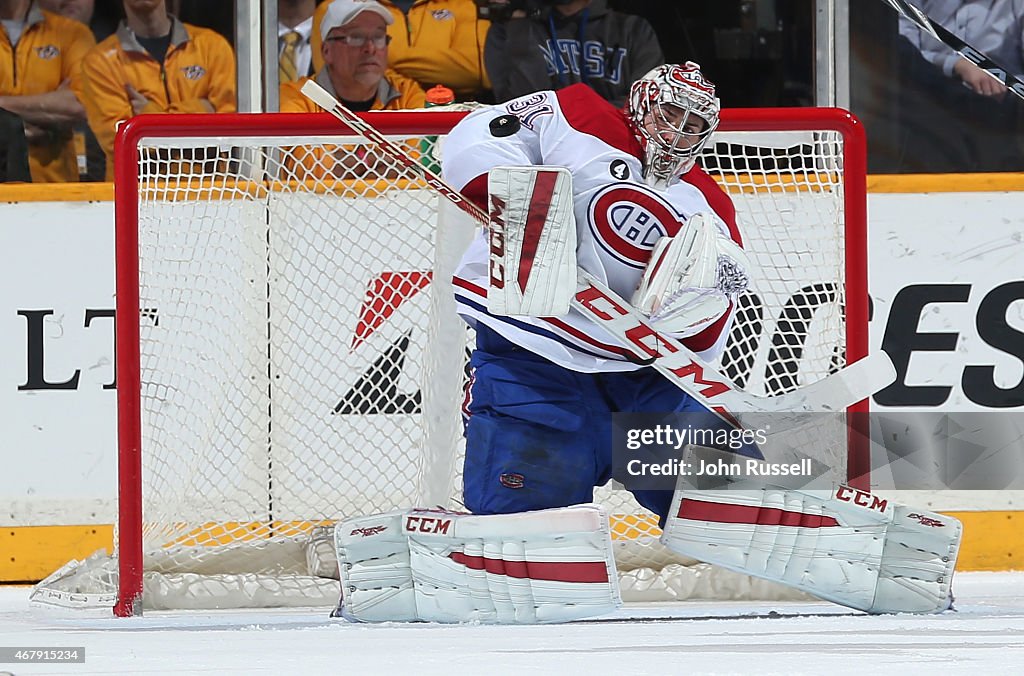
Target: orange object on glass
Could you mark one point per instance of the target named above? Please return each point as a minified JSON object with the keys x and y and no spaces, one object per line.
{"x":439,"y":95}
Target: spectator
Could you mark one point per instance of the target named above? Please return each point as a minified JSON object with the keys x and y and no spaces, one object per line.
{"x":294,"y":28}
{"x":433,"y":42}
{"x":354,"y":47}
{"x":567,"y":42}
{"x":993,"y":27}
{"x":42,"y":90}
{"x":101,"y":25}
{"x":154,"y":63}
{"x":958,"y":117}
{"x":79,"y":10}
{"x":91,"y":162}
{"x":13,"y":149}
{"x":217,"y":15}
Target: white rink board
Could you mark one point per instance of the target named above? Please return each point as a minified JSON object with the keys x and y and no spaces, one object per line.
{"x":973,"y":242}
{"x":58,"y":444}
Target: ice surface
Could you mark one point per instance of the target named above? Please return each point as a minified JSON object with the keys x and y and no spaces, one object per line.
{"x":985,"y":637}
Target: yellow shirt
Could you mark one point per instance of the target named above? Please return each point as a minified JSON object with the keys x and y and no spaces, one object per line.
{"x":199,"y":66}
{"x":440,"y":42}
{"x":49,"y":53}
{"x":395,"y":92}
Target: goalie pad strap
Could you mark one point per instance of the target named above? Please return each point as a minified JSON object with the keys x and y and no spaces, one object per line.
{"x":532,"y":238}
{"x":429,"y":565}
{"x":845,"y":546}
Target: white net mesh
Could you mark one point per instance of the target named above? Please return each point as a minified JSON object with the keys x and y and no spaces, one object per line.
{"x":301,"y":360}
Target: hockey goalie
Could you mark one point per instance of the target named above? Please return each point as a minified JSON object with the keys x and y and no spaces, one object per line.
{"x":571,"y":181}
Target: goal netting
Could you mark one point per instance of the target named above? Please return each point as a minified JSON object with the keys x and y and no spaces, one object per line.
{"x":288,"y":352}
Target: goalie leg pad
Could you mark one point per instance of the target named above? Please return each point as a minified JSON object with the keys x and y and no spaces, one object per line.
{"x":845,"y":546}
{"x":552,"y":565}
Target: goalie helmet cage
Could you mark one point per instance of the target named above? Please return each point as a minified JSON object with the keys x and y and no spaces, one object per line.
{"x":283,"y":358}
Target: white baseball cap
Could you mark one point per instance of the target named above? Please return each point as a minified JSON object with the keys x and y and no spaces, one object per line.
{"x":340,"y":12}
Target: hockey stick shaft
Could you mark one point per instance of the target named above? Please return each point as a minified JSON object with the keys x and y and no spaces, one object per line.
{"x":668,"y":355}
{"x":909,"y":11}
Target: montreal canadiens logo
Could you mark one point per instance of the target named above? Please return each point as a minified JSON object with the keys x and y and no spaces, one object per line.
{"x":627,"y":219}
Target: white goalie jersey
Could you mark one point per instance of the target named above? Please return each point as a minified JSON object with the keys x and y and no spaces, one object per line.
{"x":619,"y":218}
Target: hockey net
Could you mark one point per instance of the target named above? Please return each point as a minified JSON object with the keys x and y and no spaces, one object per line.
{"x":288,"y":352}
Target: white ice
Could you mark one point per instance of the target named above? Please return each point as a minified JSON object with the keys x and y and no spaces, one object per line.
{"x":984,"y":637}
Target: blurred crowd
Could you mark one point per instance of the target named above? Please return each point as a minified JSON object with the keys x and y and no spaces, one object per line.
{"x":71,"y":70}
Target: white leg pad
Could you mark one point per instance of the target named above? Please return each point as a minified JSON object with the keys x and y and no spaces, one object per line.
{"x":845,"y":546}
{"x":551,"y":565}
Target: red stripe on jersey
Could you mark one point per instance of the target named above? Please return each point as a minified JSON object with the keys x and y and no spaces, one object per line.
{"x":718,"y":512}
{"x":555,"y":571}
{"x":467,"y":396}
{"x":540,"y":205}
{"x":584,"y":338}
{"x":558,"y":323}
{"x":588,"y":113}
{"x":476,"y":191}
{"x":718,"y":199}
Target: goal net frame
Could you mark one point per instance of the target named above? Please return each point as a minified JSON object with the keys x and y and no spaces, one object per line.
{"x":216,"y":128}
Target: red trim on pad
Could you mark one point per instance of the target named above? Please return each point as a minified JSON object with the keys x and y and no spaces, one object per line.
{"x":555,"y":571}
{"x":699,"y":510}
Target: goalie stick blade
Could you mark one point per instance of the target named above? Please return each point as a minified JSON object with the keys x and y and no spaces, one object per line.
{"x":704,"y":382}
{"x":838,"y":391}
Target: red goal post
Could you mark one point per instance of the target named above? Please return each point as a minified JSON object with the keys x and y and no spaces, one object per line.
{"x":832,"y":168}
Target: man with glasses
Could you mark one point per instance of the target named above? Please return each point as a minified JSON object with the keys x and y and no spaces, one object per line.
{"x":434,"y":42}
{"x":355,"y":52}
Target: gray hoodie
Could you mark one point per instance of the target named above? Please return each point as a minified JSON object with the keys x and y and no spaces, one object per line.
{"x":603,"y":48}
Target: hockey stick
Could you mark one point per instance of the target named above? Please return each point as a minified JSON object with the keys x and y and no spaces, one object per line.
{"x":668,"y":355}
{"x":1012,"y":82}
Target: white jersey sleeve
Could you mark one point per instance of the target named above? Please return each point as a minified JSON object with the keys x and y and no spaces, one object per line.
{"x":471,"y":150}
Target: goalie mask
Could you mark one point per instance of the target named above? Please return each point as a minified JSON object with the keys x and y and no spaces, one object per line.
{"x":673,"y":110}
